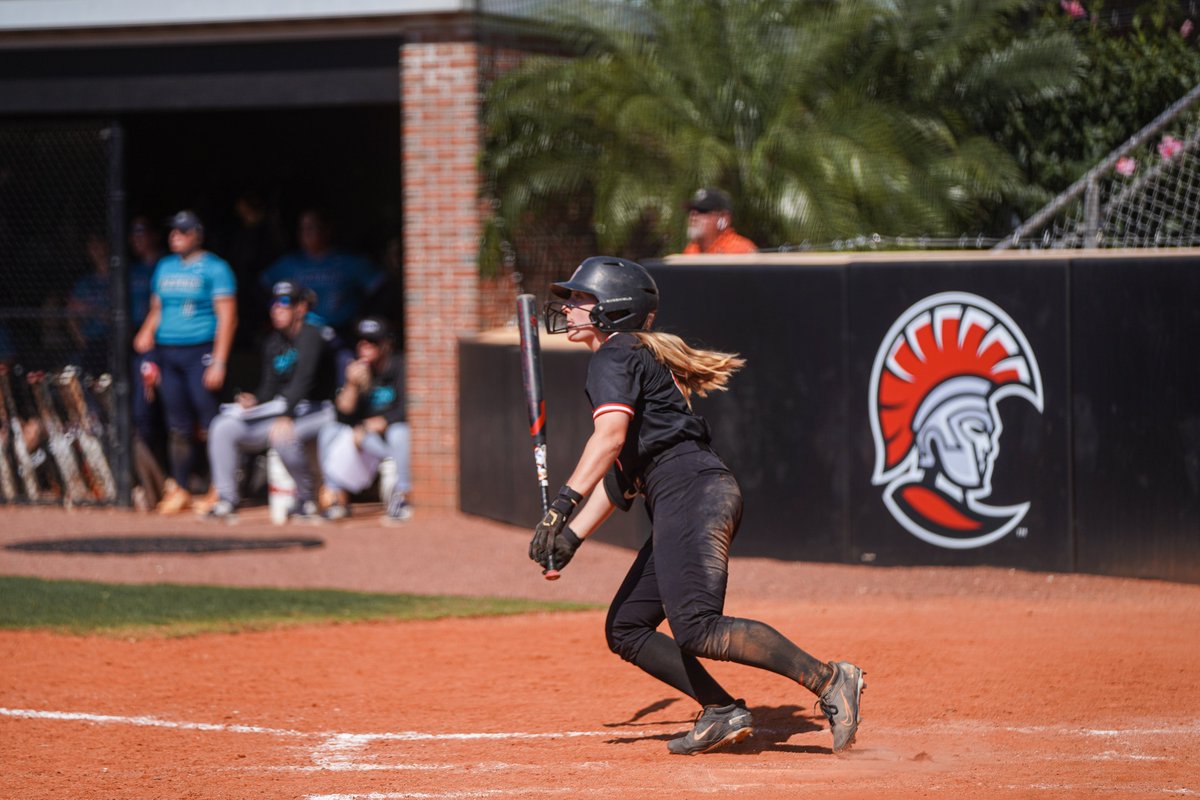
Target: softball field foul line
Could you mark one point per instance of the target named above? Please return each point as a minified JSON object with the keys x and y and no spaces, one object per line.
{"x":338,"y":740}
{"x":463,"y":795}
{"x":527,"y":791}
{"x":336,"y":751}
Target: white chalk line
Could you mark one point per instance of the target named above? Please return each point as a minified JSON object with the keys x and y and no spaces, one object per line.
{"x":1113,"y":755}
{"x":527,"y":791}
{"x":335,"y":741}
{"x":346,"y":752}
{"x":144,"y":721}
{"x":337,"y":738}
{"x":1060,"y":787}
{"x":458,"y":766}
{"x":1191,"y":728}
{"x":524,"y":791}
{"x":1186,"y":728}
{"x":337,"y":750}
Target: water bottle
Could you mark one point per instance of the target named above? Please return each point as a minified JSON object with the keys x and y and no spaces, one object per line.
{"x":387,"y":479}
{"x":281,"y":489}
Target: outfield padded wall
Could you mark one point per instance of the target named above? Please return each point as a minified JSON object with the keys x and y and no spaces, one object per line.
{"x":1109,"y":467}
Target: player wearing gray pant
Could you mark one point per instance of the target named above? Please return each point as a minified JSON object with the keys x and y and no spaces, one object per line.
{"x":285,"y":412}
{"x":231,"y":436}
{"x":351,"y":467}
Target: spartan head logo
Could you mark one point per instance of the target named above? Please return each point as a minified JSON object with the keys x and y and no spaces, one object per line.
{"x":936,"y":385}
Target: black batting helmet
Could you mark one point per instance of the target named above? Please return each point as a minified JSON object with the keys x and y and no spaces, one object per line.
{"x":626,"y":295}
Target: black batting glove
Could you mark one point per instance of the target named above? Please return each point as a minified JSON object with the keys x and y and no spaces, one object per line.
{"x":563,"y":547}
{"x":552,"y":525}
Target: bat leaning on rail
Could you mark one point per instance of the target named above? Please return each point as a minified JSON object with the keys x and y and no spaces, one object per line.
{"x":25,"y":466}
{"x":8,"y":480}
{"x":86,"y":429}
{"x":59,"y":440}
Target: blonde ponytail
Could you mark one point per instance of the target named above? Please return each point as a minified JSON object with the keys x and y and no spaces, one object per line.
{"x":696,"y":371}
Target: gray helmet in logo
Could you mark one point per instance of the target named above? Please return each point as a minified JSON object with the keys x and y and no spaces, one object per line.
{"x":626,"y":295}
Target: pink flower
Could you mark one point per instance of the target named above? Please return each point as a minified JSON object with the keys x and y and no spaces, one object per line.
{"x":1170,"y":147}
{"x":1185,"y":30}
{"x":1074,"y":8}
{"x":1126,"y":166}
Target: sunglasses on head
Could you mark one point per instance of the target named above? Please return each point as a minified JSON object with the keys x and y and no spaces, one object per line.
{"x":284,"y":301}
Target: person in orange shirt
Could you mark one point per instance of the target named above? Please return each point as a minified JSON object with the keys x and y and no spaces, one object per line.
{"x":710,"y":225}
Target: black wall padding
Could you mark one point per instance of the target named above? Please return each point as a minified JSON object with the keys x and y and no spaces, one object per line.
{"x":1109,"y":467}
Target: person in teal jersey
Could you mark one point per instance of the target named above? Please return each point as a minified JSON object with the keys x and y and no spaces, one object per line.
{"x":90,"y":307}
{"x":145,"y":250}
{"x":342,"y":281}
{"x":192,"y":319}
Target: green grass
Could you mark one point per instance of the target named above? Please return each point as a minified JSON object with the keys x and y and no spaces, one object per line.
{"x":80,"y":607}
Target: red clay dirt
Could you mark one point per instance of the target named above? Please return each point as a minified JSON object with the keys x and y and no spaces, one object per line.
{"x":982,"y":683}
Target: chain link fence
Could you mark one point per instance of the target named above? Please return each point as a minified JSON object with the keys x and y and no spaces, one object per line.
{"x":1146,"y":193}
{"x":59,"y":315}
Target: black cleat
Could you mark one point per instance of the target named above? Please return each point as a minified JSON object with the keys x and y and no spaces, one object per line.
{"x":716,"y":726}
{"x":839,"y":703}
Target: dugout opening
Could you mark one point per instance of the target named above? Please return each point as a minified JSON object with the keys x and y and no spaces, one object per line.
{"x":344,"y":161}
{"x":298,"y":119}
{"x":93,"y":135}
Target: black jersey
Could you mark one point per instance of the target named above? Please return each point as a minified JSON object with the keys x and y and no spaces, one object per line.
{"x":384,"y":397}
{"x":625,"y":378}
{"x":297,"y":369}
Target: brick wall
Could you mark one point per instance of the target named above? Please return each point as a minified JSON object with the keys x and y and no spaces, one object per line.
{"x":440,"y":144}
{"x":442,"y":83}
{"x":445,"y":297}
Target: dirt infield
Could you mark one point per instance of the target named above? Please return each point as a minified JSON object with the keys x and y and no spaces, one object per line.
{"x":982,"y":683}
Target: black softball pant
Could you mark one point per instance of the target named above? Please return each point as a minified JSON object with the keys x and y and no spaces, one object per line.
{"x":187,"y":404}
{"x":681,"y":574}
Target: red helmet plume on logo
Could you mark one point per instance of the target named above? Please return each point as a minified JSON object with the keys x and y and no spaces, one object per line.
{"x":938,"y":376}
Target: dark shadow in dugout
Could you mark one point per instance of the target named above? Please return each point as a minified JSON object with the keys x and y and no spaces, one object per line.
{"x":178,"y":545}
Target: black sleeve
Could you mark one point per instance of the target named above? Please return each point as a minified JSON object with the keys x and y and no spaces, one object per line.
{"x":309,"y":346}
{"x":268,"y":386}
{"x":613,"y":379}
{"x":397,"y":413}
{"x":355,"y":416}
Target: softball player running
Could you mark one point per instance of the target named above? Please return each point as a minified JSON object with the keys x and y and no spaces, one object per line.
{"x":647,"y":441}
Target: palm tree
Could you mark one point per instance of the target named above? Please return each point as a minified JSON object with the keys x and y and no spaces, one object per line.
{"x":824,"y":119}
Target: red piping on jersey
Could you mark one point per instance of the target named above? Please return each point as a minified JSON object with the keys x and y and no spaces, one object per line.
{"x":607,"y":407}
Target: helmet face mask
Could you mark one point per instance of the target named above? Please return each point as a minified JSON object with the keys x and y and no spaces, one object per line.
{"x":626,"y":295}
{"x":555,"y":315}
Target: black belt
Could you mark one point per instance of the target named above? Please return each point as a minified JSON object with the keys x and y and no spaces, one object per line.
{"x":675,"y":450}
